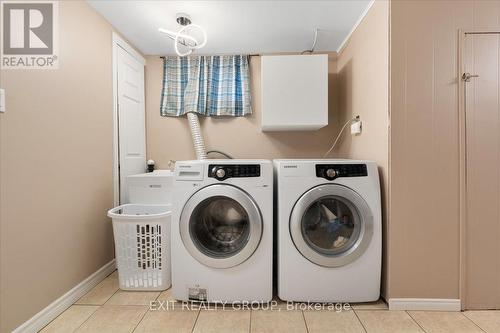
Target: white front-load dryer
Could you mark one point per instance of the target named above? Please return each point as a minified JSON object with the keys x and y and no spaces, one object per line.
{"x":222,"y":241}
{"x":329,"y":230}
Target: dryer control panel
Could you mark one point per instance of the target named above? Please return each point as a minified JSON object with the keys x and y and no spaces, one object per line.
{"x":224,"y":171}
{"x":332,"y":171}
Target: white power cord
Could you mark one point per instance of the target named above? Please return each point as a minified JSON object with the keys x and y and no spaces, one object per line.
{"x":220,"y":153}
{"x":314,"y":43}
{"x":340,"y":133}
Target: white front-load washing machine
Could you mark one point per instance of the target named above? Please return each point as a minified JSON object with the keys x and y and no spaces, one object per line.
{"x":329,"y":230}
{"x":222,"y":241}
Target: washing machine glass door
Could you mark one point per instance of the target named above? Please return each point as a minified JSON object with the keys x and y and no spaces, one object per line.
{"x":331,"y":225}
{"x":221,"y":226}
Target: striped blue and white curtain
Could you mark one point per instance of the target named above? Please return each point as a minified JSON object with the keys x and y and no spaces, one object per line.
{"x":208,"y":85}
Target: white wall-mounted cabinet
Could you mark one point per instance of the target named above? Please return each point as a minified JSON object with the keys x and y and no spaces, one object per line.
{"x":294,"y":92}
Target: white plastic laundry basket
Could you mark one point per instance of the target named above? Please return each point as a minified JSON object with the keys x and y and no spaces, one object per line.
{"x":142,"y":246}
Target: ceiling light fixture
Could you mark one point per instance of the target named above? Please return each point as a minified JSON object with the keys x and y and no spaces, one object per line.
{"x":183,"y":37}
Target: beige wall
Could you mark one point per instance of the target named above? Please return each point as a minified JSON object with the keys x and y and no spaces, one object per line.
{"x":363,"y":82}
{"x":170,"y":138}
{"x":424,"y":207}
{"x":56,"y":169}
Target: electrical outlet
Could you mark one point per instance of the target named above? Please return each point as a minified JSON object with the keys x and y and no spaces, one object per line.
{"x":356,"y":127}
{"x":2,"y":100}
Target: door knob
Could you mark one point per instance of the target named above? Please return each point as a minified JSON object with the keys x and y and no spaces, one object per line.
{"x":467,"y":76}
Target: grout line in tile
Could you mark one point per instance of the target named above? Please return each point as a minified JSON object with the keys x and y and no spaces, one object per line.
{"x":160,"y":293}
{"x":82,"y":305}
{"x":362,"y":325}
{"x":87,"y":304}
{"x":111,"y":296}
{"x":250,"y":324}
{"x":93,"y":313}
{"x":354,"y":307}
{"x":472,"y":321}
{"x":59,"y":315}
{"x":107,"y":305}
{"x":305,"y":322}
{"x":142,"y":318}
{"x":196,"y":320}
{"x":415,"y":321}
{"x":93,"y":289}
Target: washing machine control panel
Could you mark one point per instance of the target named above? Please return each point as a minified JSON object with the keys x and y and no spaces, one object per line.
{"x":225,"y":171}
{"x":332,"y":171}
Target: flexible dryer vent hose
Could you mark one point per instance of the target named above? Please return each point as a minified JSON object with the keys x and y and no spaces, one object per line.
{"x":199,"y":144}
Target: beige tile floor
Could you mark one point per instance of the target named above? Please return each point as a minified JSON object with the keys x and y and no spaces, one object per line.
{"x":107,"y":309}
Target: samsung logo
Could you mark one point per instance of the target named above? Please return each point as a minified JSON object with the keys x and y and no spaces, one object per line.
{"x":290,"y":166}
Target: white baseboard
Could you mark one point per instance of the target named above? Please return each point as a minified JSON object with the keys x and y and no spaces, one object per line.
{"x":430,"y":304}
{"x":42,"y":318}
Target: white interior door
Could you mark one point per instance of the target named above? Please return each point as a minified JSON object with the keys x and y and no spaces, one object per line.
{"x":482,"y":123}
{"x":131,"y":117}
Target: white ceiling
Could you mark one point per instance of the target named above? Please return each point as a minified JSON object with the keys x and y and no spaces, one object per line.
{"x":237,"y":26}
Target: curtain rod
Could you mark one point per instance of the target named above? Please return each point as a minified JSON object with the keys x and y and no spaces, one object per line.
{"x":263,"y":54}
{"x":250,"y":55}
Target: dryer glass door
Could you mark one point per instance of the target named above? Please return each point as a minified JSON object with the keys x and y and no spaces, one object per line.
{"x":331,"y":225}
{"x":221,"y":226}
